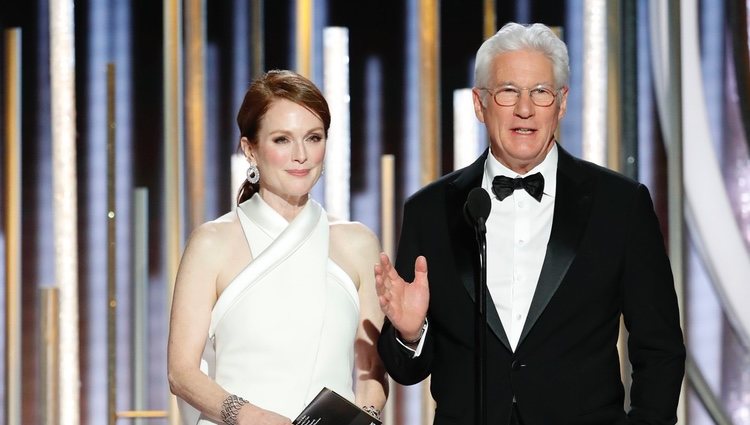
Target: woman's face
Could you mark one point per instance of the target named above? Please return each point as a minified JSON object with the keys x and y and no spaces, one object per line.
{"x":289,"y":153}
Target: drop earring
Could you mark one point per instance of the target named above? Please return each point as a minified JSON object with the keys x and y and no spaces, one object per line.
{"x":253,"y":174}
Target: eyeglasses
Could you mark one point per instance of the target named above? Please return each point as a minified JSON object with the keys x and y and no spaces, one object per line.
{"x":508,"y":95}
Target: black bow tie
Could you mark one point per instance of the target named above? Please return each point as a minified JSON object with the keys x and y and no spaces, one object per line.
{"x":503,"y":186}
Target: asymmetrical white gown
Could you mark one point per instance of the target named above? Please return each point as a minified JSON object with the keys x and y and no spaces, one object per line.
{"x":284,"y":327}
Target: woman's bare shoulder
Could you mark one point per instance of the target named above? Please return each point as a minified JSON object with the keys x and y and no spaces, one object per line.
{"x":214,"y":234}
{"x":353,"y":234}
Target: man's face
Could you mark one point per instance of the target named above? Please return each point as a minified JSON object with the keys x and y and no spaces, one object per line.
{"x":521,"y":135}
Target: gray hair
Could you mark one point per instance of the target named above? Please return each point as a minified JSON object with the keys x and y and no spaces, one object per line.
{"x":513,"y":37}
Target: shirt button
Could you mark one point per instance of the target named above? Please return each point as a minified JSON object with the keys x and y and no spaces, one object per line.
{"x":519,"y":316}
{"x":521,"y":205}
{"x":521,"y":242}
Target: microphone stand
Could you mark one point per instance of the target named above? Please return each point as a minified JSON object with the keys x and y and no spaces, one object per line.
{"x":480,"y":324}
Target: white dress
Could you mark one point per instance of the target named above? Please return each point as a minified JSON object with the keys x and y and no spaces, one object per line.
{"x":285,"y":326}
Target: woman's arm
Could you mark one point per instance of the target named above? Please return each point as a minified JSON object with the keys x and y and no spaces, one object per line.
{"x":194,"y":296}
{"x":362,"y":251}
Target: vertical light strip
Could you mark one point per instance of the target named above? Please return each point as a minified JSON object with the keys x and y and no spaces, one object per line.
{"x":65,"y":189}
{"x":119,"y":30}
{"x":338,"y":146}
{"x":571,"y":127}
{"x":304,"y":37}
{"x":50,"y":355}
{"x":388,"y":238}
{"x":365,"y":198}
{"x":489,"y":18}
{"x":239,"y":173}
{"x":243,"y":67}
{"x":429,"y":53}
{"x":257,"y":37}
{"x":388,"y":204}
{"x":595,"y":80}
{"x":410,"y":168}
{"x":93,"y":190}
{"x":12,"y":107}
{"x":140,"y":299}
{"x":466,"y":143}
{"x":173,"y":146}
{"x":195,"y":110}
{"x":675,"y":176}
{"x":429,"y":123}
{"x":523,"y":11}
{"x":111,"y":250}
{"x":613,"y":116}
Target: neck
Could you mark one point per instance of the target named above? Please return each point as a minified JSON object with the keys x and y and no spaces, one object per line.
{"x":287,"y":206}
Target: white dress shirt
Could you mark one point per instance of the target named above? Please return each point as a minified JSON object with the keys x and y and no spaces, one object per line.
{"x":518,"y":231}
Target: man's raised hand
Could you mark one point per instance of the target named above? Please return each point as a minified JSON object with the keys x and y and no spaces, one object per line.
{"x":404,"y":303}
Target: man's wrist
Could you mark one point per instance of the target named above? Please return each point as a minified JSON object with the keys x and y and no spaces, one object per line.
{"x":414,"y":341}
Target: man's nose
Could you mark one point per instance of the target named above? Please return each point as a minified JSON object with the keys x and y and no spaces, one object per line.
{"x":524,"y":107}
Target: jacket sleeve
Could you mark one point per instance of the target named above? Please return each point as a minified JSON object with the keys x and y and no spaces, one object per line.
{"x":650,"y":310}
{"x":399,"y":361}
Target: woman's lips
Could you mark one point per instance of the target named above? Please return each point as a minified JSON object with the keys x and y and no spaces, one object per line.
{"x":298,"y":173}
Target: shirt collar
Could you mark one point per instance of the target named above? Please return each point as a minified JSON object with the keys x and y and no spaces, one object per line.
{"x":548,"y":168}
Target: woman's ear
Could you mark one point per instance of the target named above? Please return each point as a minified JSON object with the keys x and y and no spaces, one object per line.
{"x":247,"y":149}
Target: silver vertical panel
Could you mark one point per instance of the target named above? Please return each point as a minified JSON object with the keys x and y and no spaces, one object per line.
{"x":338,"y":146}
{"x":65,"y":189}
{"x":140,"y":300}
{"x":595,"y":81}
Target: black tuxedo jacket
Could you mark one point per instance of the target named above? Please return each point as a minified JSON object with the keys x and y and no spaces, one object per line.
{"x":605,"y":260}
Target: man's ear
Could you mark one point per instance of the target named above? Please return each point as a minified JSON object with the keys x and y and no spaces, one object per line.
{"x":563,"y":102}
{"x":476,"y":97}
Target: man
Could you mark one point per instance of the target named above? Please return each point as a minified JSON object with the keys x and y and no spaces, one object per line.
{"x":565,"y":262}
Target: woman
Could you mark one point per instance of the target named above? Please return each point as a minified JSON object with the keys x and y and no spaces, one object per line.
{"x":273,"y":302}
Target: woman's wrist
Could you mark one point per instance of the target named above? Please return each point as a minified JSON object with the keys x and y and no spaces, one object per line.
{"x":230,"y":409}
{"x":372,"y":411}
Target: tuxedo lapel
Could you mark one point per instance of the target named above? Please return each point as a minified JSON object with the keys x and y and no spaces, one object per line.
{"x":572,"y":208}
{"x":463,"y":242}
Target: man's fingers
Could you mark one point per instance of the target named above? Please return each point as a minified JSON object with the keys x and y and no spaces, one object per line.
{"x":420,"y":270}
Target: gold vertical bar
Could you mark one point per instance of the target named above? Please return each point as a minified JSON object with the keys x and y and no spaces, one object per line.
{"x":50,"y":361}
{"x":195,"y":109}
{"x":490,"y":18}
{"x":429,"y":89}
{"x":257,"y":38}
{"x":304,"y":37}
{"x":429,"y":123}
{"x":65,"y":205}
{"x":387,"y":237}
{"x":111,"y":250}
{"x":12,"y":106}
{"x":173,"y":104}
{"x":387,"y":203}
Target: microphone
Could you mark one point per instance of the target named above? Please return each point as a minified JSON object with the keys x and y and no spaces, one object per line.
{"x":477,"y":208}
{"x":476,"y":211}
